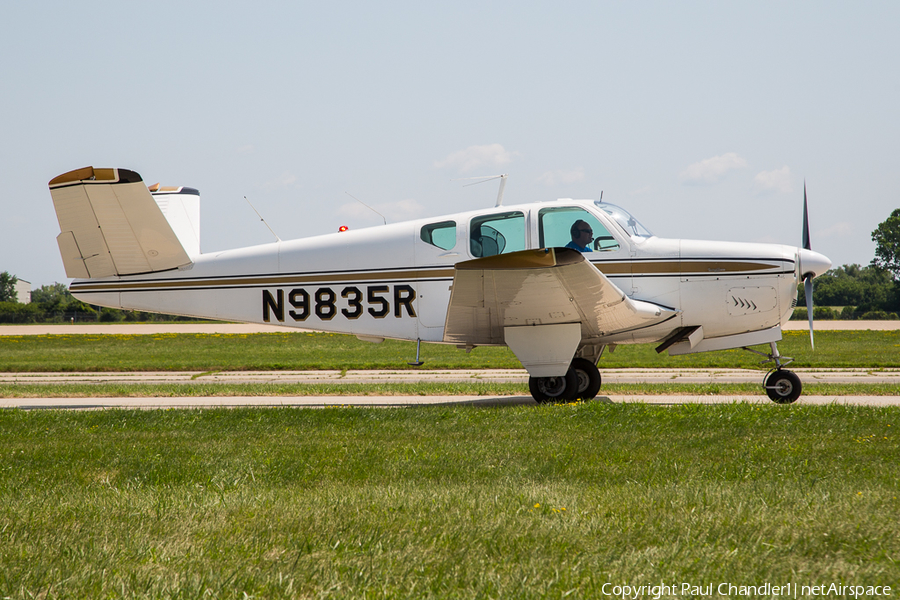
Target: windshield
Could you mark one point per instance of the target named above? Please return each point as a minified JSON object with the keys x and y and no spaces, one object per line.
{"x":625,"y":220}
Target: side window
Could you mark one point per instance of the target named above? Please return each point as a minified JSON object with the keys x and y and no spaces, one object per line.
{"x":497,"y":234}
{"x":556,"y":228}
{"x":442,"y":235}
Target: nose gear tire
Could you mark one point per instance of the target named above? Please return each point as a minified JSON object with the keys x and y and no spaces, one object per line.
{"x":783,"y":387}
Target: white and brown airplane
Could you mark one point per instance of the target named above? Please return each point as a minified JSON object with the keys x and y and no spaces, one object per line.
{"x":498,"y":276}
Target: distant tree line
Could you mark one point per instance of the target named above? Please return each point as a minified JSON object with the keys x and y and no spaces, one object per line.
{"x":853,"y":292}
{"x":55,"y":304}
{"x":871,"y":292}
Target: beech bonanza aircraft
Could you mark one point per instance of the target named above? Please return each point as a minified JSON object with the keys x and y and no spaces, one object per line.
{"x":498,"y":276}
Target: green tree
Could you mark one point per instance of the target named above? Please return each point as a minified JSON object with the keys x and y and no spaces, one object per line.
{"x":859,"y":290}
{"x":57,"y":303}
{"x":14,"y":312}
{"x":52,"y":298}
{"x":8,"y":287}
{"x":887,"y":239}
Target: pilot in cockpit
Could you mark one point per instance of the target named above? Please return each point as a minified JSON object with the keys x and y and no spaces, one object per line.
{"x":582,"y":236}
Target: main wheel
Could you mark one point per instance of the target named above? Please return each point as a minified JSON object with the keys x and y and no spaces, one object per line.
{"x":554,"y":389}
{"x":588,"y":378}
{"x":783,"y":387}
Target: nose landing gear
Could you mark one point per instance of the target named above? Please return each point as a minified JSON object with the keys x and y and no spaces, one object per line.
{"x":782,"y":386}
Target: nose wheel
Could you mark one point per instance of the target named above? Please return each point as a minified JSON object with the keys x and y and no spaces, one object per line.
{"x":783,"y":386}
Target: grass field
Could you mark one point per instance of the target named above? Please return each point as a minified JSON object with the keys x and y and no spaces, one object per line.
{"x":450,"y":502}
{"x":264,"y":351}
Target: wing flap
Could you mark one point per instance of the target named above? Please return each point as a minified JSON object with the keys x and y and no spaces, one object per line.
{"x":540,"y":287}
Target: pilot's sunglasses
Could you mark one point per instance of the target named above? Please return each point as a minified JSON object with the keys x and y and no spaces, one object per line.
{"x":587,"y":231}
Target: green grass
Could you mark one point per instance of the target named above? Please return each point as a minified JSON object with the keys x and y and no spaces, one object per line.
{"x":265,"y":351}
{"x":144,"y":390}
{"x":451,"y":502}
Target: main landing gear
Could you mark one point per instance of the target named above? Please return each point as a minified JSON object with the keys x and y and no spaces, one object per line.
{"x":782,"y":386}
{"x":581,"y":382}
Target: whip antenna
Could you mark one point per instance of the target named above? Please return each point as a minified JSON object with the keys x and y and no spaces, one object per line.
{"x":502,"y":179}
{"x":367,"y":206}
{"x":263,"y":220}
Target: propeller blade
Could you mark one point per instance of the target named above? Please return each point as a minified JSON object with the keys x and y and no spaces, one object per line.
{"x":805,"y":221}
{"x":808,"y":292}
{"x":808,"y":280}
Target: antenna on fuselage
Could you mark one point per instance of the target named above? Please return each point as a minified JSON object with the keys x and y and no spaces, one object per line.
{"x":502,"y":179}
{"x":367,"y":206}
{"x":263,"y":220}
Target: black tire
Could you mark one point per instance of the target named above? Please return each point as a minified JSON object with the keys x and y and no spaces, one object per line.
{"x":588,"y":378}
{"x":783,"y":387}
{"x":554,"y":389}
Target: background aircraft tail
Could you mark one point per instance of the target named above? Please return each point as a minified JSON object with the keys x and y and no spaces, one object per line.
{"x":111,"y":224}
{"x":181,"y":207}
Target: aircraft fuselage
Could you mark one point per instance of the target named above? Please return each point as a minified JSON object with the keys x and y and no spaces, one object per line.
{"x":395,"y":281}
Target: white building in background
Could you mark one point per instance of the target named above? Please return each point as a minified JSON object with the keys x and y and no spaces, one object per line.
{"x":23,"y":291}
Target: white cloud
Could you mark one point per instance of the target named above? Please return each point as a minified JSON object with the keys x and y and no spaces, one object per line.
{"x":560,"y":176}
{"x":285,"y":180}
{"x":712,"y":169}
{"x":394,"y":212}
{"x":778,"y":180}
{"x":840,"y":230}
{"x":474,"y":157}
{"x":402,"y":210}
{"x":641,"y":191}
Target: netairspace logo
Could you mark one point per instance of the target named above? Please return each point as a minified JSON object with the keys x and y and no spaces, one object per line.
{"x":732,"y":590}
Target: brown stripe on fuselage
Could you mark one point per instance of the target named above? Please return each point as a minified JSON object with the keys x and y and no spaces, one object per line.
{"x":677,"y":267}
{"x":636,"y":268}
{"x":274,"y":280}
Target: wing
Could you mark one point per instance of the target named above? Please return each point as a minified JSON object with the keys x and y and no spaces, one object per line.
{"x":551,"y":286}
{"x":111,"y":225}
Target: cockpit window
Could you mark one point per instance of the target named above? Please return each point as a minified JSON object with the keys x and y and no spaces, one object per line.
{"x":497,"y":234}
{"x":442,"y":235}
{"x":625,"y":220}
{"x":556,"y":225}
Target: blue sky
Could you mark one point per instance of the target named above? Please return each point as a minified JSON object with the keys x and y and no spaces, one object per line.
{"x":701,"y":118}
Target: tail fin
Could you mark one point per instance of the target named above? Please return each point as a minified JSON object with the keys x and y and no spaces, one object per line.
{"x":111,"y":225}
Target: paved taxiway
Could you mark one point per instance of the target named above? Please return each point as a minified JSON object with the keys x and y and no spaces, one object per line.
{"x":434,"y":376}
{"x":883,"y":376}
